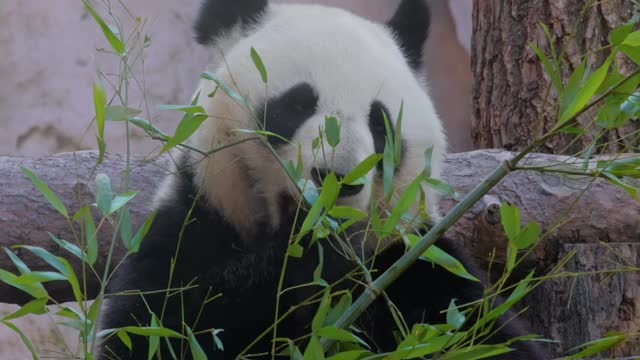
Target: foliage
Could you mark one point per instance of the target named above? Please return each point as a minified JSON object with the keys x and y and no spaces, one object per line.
{"x":615,"y":96}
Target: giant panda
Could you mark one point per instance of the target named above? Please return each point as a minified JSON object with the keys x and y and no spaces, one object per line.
{"x":226,"y":218}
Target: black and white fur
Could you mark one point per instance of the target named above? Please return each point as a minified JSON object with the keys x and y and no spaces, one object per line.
{"x":321,"y":61}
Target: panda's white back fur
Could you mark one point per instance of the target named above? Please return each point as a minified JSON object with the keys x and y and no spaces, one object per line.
{"x":350,"y":62}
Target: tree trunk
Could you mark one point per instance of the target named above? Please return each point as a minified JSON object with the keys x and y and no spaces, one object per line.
{"x":510,"y":84}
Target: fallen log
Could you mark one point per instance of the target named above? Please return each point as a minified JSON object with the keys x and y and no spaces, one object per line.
{"x":603,"y":226}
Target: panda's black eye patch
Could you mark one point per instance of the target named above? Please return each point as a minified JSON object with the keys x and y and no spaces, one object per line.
{"x":377,"y":126}
{"x":284,"y":114}
{"x":379,"y":130}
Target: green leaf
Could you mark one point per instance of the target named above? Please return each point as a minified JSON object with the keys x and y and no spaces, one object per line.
{"x":618,"y":35}
{"x":442,"y":187}
{"x":441,"y":258}
{"x":599,"y":345}
{"x":121,"y":200}
{"x":330,"y":190}
{"x":20,"y":265}
{"x":314,"y":350}
{"x":196,"y":350}
{"x":145,"y":125}
{"x":295,"y":250}
{"x":388,"y":168}
{"x":36,"y":277}
{"x":631,"y":190}
{"x":187,"y":126}
{"x":403,"y":204}
{"x":91,"y":237}
{"x":216,"y":339}
{"x":99,"y":101}
{"x":548,"y":67}
{"x":334,"y":333}
{"x":554,"y":54}
{"x":23,"y":337}
{"x":35,"y":290}
{"x":632,"y":53}
{"x":141,"y":233}
{"x":586,"y":91}
{"x":351,"y":355}
{"x":126,"y":228}
{"x":189,"y":109}
{"x":154,"y":341}
{"x":397,"y":141}
{"x":518,"y":293}
{"x":37,"y":306}
{"x":152,"y":331}
{"x":361,"y":169}
{"x":63,"y":266}
{"x":572,"y":87}
{"x":512,"y":254}
{"x":476,"y":352}
{"x":72,"y":248}
{"x":510,"y":217}
{"x":120,"y":113}
{"x":124,"y":337}
{"x":632,"y":39}
{"x":336,"y":311}
{"x":332,"y":130}
{"x":104,"y":195}
{"x":226,"y":89}
{"x":317,"y":273}
{"x":454,"y":317}
{"x":527,"y":236}
{"x":428,"y":157}
{"x":311,"y":219}
{"x":347,"y":212}
{"x":321,"y":313}
{"x":113,"y":40}
{"x":46,"y":191}
{"x":257,"y":61}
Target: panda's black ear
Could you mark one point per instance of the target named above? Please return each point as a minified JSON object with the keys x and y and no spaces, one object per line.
{"x":217,"y":16}
{"x":410,"y":24}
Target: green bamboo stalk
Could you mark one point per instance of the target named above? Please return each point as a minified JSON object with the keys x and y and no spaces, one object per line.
{"x":403,"y":263}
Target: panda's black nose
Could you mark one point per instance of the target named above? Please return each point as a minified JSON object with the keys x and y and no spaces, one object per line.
{"x":318,"y":175}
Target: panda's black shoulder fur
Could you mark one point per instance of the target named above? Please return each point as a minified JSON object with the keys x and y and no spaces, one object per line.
{"x":213,"y":260}
{"x":217,"y":16}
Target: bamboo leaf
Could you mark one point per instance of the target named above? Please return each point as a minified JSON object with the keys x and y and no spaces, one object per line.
{"x":37,"y":306}
{"x":454,"y":317}
{"x":510,"y":218}
{"x":134,"y":246}
{"x":46,"y":191}
{"x":332,"y":130}
{"x":257,"y":61}
{"x":111,"y":37}
{"x":104,"y":195}
{"x":23,"y":337}
{"x":361,"y":169}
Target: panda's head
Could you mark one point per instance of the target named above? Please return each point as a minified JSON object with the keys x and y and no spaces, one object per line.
{"x":320,"y":62}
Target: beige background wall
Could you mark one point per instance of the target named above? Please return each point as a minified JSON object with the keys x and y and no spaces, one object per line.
{"x":49,"y":61}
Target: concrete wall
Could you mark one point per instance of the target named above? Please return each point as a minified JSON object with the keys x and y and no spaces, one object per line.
{"x":50,"y":61}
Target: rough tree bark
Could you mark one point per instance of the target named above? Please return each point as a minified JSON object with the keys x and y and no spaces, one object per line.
{"x":508,"y":94}
{"x":603,"y":228}
{"x":510,"y":83}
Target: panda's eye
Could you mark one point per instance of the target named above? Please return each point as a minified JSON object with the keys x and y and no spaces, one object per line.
{"x":377,"y":125}
{"x":287,"y":112}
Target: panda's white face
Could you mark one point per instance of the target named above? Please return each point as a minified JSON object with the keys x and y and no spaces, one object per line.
{"x":320,"y":62}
